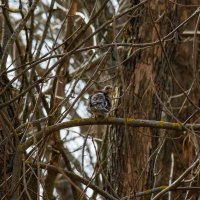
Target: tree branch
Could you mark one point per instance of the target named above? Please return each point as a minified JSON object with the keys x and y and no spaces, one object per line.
{"x":107,"y":121}
{"x":78,"y":178}
{"x":17,"y":164}
{"x":158,"y":189}
{"x":99,"y":190}
{"x":15,"y":34}
{"x":177,"y":181}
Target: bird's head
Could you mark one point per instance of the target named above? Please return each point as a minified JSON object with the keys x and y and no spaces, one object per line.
{"x":108,"y":90}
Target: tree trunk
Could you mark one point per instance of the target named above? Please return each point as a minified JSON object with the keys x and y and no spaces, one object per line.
{"x":143,"y":84}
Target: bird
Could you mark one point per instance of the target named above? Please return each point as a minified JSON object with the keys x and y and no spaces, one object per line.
{"x":100,"y":102}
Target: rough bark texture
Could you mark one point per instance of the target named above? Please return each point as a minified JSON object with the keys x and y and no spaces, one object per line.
{"x":183,"y":147}
{"x":143,"y":78}
{"x":142,"y":158}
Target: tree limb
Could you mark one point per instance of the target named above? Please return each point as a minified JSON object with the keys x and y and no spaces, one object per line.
{"x":107,"y":121}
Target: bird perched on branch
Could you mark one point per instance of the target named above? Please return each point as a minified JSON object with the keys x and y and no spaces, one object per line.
{"x":100,"y":102}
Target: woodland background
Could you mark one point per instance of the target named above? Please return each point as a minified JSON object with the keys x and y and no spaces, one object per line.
{"x":54,"y":54}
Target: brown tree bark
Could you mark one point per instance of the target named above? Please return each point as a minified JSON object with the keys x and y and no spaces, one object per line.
{"x":143,"y":85}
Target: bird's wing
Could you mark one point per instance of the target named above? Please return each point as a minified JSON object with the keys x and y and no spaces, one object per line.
{"x":108,"y":103}
{"x":98,"y":101}
{"x":97,"y":98}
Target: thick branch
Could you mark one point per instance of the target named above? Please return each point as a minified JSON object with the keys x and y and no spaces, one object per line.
{"x":17,"y":164}
{"x":107,"y":121}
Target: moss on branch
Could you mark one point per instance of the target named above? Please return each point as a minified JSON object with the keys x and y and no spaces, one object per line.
{"x":108,"y":121}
